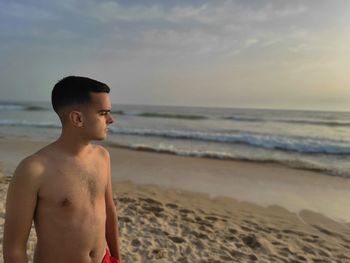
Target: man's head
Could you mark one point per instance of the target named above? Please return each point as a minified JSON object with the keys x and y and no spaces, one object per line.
{"x":83,"y":103}
{"x":74,"y":90}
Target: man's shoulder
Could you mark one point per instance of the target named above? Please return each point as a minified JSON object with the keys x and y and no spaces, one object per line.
{"x":32,"y":165}
{"x":102,"y":151}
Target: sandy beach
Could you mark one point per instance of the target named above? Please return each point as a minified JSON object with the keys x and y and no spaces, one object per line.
{"x":185,"y":209}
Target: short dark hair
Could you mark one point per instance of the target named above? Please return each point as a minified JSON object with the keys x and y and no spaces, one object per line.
{"x":74,"y":90}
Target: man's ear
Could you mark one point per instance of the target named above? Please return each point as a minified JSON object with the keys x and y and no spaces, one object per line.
{"x":76,"y":118}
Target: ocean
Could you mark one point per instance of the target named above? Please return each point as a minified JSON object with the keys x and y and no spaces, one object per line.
{"x":310,"y":140}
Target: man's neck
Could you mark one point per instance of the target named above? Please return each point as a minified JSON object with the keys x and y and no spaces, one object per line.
{"x":72,"y":145}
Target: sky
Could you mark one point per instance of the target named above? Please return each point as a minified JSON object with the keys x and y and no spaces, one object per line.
{"x":244,"y":53}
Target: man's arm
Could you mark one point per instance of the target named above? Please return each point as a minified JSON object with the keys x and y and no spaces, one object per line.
{"x":112,"y":233}
{"x":20,"y":207}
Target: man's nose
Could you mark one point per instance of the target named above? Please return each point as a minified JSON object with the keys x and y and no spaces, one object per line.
{"x":110,"y":119}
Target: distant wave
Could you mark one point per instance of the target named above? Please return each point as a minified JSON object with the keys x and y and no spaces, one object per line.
{"x":29,"y":124}
{"x":161,"y":115}
{"x":296,"y":164}
{"x":267,"y":141}
{"x":312,"y":122}
{"x":320,"y":122}
{"x":279,"y":142}
{"x":12,"y":107}
{"x":19,"y":107}
{"x":169,"y":115}
{"x":36,"y":108}
{"x":325,"y":122}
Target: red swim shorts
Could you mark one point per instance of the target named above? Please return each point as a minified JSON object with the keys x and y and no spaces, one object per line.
{"x":109,"y":259}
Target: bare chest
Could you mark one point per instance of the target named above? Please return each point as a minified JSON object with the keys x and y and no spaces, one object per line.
{"x":74,"y":185}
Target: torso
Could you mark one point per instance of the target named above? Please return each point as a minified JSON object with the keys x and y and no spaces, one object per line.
{"x":70,"y":215}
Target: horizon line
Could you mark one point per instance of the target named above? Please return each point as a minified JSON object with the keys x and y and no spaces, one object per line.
{"x":200,"y":106}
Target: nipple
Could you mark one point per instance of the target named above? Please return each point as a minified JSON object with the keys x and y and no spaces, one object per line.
{"x":65,"y":202}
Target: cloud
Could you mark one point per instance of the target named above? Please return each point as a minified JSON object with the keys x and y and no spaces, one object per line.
{"x":121,"y":39}
{"x":205,"y":13}
{"x":89,"y":17}
{"x":180,"y":14}
{"x":299,"y":48}
{"x":251,"y":42}
{"x":108,"y":12}
{"x":189,"y":29}
{"x":233,"y":12}
{"x":24,"y":12}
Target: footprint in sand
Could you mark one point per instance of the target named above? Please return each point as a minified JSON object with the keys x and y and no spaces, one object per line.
{"x":177,"y":239}
{"x":126,"y":200}
{"x":188,"y":219}
{"x":248,"y":229}
{"x":310,"y":240}
{"x":251,"y":241}
{"x":135,"y":243}
{"x":201,"y":221}
{"x":151,"y":201}
{"x":172,"y":206}
{"x":156,"y":210}
{"x":231,"y":238}
{"x":288,"y":231}
{"x":324,"y":253}
{"x":237,"y":254}
{"x":124,"y":219}
{"x":309,"y":250}
{"x":185,"y":211}
{"x":253,"y":257}
{"x":233,"y":231}
{"x":157,"y":253}
{"x":199,"y":235}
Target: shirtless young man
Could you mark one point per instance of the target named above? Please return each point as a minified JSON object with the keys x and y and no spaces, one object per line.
{"x":66,"y":186}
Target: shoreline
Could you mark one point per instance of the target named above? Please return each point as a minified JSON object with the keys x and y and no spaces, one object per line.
{"x":263,"y":184}
{"x":50,"y":134}
{"x":223,"y":158}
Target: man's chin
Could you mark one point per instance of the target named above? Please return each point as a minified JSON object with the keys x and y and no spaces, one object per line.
{"x":101,"y":138}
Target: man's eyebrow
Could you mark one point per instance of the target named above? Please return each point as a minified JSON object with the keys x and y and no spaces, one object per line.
{"x":104,"y":110}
